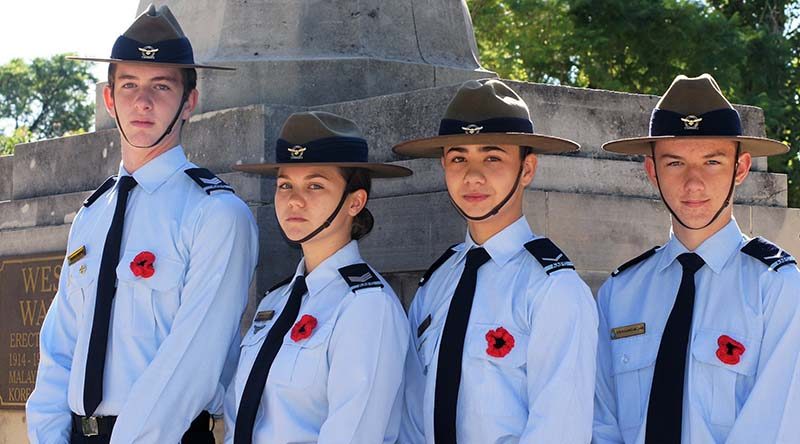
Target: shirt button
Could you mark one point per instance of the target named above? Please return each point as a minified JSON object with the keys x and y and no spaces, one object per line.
{"x":625,"y":359}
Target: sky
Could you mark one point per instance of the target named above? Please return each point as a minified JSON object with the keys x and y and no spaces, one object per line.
{"x":43,"y":28}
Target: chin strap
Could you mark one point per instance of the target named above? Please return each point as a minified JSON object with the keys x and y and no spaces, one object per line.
{"x":724,"y":205}
{"x":327,"y":222}
{"x":499,"y":206}
{"x":184,"y":98}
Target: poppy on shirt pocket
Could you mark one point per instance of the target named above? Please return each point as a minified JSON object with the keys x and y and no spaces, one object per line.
{"x":633,"y":361}
{"x":503,"y":380}
{"x":299,"y":364}
{"x":142,"y":302}
{"x":714,"y":380}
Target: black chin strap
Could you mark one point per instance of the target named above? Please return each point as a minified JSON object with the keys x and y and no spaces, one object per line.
{"x":327,"y":222}
{"x":724,"y":204}
{"x":502,"y":203}
{"x":184,"y":98}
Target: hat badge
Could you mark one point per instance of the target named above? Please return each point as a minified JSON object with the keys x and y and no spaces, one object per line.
{"x":472,"y":129}
{"x":691,"y":122}
{"x":296,"y":152}
{"x":148,"y":52}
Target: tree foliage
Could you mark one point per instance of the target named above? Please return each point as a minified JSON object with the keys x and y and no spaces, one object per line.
{"x":752,"y":47}
{"x":48,"y":97}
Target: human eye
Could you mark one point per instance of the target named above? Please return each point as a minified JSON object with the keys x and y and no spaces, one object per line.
{"x":284,"y":186}
{"x":128,"y":85}
{"x":162,"y":87}
{"x":315,"y":186}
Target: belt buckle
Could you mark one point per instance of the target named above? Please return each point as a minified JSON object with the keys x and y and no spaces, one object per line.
{"x":89,"y":426}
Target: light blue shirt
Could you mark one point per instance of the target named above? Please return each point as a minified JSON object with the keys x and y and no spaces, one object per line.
{"x":757,"y":399}
{"x":541,"y":391}
{"x":172,"y":334}
{"x":343,"y":384}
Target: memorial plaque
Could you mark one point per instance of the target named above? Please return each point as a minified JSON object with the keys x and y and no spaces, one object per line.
{"x":27,"y":287}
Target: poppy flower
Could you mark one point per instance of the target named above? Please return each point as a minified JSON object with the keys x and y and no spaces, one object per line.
{"x":730,"y":350}
{"x":142,"y":264}
{"x":303,"y":328}
{"x":499,"y":342}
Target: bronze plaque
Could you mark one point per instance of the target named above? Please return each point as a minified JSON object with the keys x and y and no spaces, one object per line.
{"x":27,"y":287}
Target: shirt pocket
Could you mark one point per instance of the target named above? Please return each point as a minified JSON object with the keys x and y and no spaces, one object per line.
{"x":426,"y":346}
{"x":715,"y":381}
{"x":143,"y":304}
{"x":80,"y":286}
{"x":299,"y":364}
{"x":633,"y":362}
{"x":248,"y":351}
{"x":501,"y":380}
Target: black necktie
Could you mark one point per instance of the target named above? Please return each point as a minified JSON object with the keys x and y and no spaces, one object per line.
{"x":106,"y":288}
{"x":254,"y":387}
{"x":451,"y":349}
{"x":666,"y":395}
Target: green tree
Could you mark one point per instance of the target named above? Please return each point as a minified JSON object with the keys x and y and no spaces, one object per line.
{"x":751,"y":47}
{"x":43,"y":99}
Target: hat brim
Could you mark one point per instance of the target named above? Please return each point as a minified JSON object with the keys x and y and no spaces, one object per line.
{"x":376,"y":170}
{"x":143,"y":62}
{"x":756,"y":146}
{"x":432,"y":146}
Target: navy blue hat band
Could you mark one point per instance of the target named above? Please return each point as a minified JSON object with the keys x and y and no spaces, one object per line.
{"x":328,"y":150}
{"x":497,"y":125}
{"x":176,"y":51}
{"x":721,"y":122}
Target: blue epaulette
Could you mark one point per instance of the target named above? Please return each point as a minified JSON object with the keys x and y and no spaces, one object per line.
{"x":279,"y":285}
{"x":100,"y":191}
{"x":549,"y":255}
{"x":640,"y":258}
{"x":207,"y":180}
{"x":770,"y":254}
{"x":438,"y":263}
{"x":360,"y":276}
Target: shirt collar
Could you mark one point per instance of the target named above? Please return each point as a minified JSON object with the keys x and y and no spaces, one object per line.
{"x":715,"y":251}
{"x":155,"y":172}
{"x":328,"y":270}
{"x":502,"y":246}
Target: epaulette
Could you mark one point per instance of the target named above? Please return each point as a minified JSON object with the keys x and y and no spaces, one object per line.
{"x":279,"y":285}
{"x":435,"y":266}
{"x":360,"y":276}
{"x":640,"y":258}
{"x":207,"y":180}
{"x":770,"y":254}
{"x":549,"y":256}
{"x":100,"y":191}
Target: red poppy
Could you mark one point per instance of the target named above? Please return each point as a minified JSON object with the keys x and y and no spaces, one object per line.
{"x":730,"y":350}
{"x":303,"y":328}
{"x":142,"y":264}
{"x":499,"y":341}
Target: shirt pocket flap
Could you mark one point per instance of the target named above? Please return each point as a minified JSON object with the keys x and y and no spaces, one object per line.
{"x":478,"y":346}
{"x":635,"y":353}
{"x":705,"y":349}
{"x":83,"y":273}
{"x":168,"y":272}
{"x":254,"y":336}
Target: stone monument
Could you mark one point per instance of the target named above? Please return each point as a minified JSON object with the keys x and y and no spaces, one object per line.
{"x":392,"y":67}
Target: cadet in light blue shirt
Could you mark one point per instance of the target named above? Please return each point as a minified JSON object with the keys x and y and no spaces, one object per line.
{"x":323,"y":359}
{"x":504,"y":329}
{"x":699,"y":339}
{"x":135,"y":346}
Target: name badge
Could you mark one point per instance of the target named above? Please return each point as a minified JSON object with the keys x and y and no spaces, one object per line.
{"x":424,"y":326}
{"x":77,"y":255}
{"x":264,"y":316}
{"x":628,"y":331}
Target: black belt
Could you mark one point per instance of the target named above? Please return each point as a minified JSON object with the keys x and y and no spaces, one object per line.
{"x":104,"y":425}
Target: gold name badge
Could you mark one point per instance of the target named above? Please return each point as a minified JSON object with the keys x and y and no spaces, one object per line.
{"x":628,"y":331}
{"x":264,"y":316}
{"x":77,"y":255}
